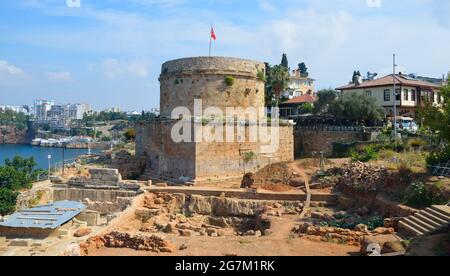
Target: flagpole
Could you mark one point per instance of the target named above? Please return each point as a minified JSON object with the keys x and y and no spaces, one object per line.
{"x":210,"y":41}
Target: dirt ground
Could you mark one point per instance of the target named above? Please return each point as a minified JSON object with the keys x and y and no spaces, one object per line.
{"x":281,"y":243}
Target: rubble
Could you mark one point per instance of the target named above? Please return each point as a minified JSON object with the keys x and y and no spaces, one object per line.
{"x":140,"y":242}
{"x":360,"y":176}
{"x":352,"y":237}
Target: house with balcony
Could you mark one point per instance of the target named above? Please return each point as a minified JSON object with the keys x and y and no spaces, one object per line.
{"x":299,"y":85}
{"x":411,"y":93}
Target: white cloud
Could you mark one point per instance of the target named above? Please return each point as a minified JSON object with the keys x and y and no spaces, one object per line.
{"x":9,"y":68}
{"x":267,"y":6}
{"x":114,"y":69}
{"x":59,"y":76}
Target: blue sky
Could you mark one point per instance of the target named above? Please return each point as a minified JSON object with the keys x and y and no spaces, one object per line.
{"x":109,"y":52}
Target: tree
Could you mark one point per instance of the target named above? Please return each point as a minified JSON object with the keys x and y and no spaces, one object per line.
{"x":25,"y":165}
{"x":130,"y":134}
{"x":15,"y":180}
{"x":356,"y":74}
{"x":303,"y":70}
{"x":437,"y":120}
{"x":7,"y":201}
{"x":306,"y":108}
{"x":284,"y":61}
{"x":268,"y":91}
{"x":279,"y":77}
{"x":357,"y":107}
{"x":325,"y":98}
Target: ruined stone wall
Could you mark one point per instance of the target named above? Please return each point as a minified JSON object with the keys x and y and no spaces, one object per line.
{"x":75,"y":194}
{"x":184,"y":80}
{"x":129,"y":166}
{"x":307,"y":141}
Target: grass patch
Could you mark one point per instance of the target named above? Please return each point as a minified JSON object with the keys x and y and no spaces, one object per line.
{"x":244,"y":242}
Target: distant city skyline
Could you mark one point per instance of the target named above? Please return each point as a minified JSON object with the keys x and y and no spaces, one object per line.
{"x":109,"y":53}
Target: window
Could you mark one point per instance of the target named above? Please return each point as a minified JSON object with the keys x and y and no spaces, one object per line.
{"x":387,"y":95}
{"x":432,"y":99}
{"x":406,"y":95}
{"x":398,"y":94}
{"x":413,"y":95}
{"x":439,"y":99}
{"x":369,"y":93}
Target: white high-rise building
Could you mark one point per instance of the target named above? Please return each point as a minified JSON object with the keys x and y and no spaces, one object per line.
{"x":77,"y":111}
{"x":41,"y":109}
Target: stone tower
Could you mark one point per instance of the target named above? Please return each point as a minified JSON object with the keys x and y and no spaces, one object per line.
{"x":219,"y":83}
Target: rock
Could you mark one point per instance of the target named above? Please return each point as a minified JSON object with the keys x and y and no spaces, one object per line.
{"x":185,"y":233}
{"x":72,"y":250}
{"x":383,"y":231}
{"x":379,"y":240}
{"x":247,"y":181}
{"x":258,"y":233}
{"x":297,"y":182}
{"x":214,"y":235}
{"x":183,"y":247}
{"x":220,"y":222}
{"x":392,"y":247}
{"x":361,"y":228}
{"x":170,"y":228}
{"x":220,"y":233}
{"x":159,"y":201}
{"x":82,"y":232}
{"x":278,"y":205}
{"x":202,"y":232}
{"x":250,"y":233}
{"x":211,"y":231}
{"x":345,"y":202}
{"x":268,"y":232}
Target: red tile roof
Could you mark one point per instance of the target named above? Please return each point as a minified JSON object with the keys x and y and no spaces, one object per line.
{"x":388,"y":80}
{"x":302,"y":99}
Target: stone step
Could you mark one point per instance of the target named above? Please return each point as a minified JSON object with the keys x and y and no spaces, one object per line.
{"x":445,"y":210}
{"x":403,"y":227}
{"x":428,"y":220}
{"x":433,"y":217}
{"x":415,"y":225}
{"x":422,"y":223}
{"x":439,"y":215}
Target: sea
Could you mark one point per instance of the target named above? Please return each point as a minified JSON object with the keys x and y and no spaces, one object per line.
{"x":41,"y":154}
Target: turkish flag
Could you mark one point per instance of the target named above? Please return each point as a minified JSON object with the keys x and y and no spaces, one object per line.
{"x":213,"y":34}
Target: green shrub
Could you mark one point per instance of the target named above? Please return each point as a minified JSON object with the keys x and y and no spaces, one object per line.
{"x":261,"y":76}
{"x":229,"y":80}
{"x":416,"y":144}
{"x":365,"y":155}
{"x":418,"y":196}
{"x":249,"y":156}
{"x":7,"y":201}
{"x":437,"y":157}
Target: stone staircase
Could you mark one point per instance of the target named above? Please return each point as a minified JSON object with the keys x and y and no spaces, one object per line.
{"x":429,"y":220}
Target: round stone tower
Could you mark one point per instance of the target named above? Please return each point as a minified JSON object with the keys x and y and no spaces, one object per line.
{"x":218,"y":81}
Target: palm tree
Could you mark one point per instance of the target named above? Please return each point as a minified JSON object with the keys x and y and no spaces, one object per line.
{"x":279,"y":81}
